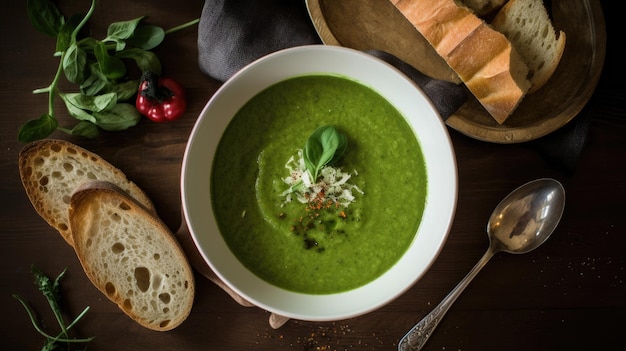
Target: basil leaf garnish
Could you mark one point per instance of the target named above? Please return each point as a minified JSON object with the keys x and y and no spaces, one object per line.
{"x":323,"y":147}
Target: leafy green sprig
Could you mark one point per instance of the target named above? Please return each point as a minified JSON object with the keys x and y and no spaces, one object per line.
{"x":51,"y":290}
{"x":99,"y":69}
{"x":323,"y":147}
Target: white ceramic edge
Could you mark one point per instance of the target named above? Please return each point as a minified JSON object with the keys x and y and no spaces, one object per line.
{"x":438,"y":153}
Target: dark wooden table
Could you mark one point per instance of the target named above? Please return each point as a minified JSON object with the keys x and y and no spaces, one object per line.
{"x":570,"y":294}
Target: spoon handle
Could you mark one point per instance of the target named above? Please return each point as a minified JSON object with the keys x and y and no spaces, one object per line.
{"x":415,"y":339}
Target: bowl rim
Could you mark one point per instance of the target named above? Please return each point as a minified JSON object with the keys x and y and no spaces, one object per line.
{"x":438,"y":213}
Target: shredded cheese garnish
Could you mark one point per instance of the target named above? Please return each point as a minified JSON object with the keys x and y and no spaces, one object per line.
{"x":332,"y":184}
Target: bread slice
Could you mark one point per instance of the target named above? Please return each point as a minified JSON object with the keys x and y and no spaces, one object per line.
{"x":528,"y":26}
{"x":131,"y":256}
{"x":483,"y":58}
{"x":52,"y":169}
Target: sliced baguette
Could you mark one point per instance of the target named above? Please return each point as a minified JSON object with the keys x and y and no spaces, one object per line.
{"x":483,"y":58}
{"x":131,"y":256}
{"x":528,"y":26}
{"x":52,"y":169}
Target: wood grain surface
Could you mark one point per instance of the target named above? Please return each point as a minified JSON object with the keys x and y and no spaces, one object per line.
{"x":570,"y":294}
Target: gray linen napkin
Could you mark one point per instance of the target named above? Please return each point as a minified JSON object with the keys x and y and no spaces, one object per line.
{"x":233,"y":33}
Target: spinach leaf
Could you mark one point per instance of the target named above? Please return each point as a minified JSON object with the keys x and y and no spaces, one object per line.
{"x":95,"y":81}
{"x":74,"y":62}
{"x":123,"y":29}
{"x":36,"y":129}
{"x":45,"y":16}
{"x":88,"y":44}
{"x":83,"y":128}
{"x":112,"y":67}
{"x":323,"y":147}
{"x":118,"y":32}
{"x":145,"y":60}
{"x":91,"y":103}
{"x":77,"y":112}
{"x":120,"y":117}
{"x":86,"y":108}
{"x":64,"y":37}
{"x":147,"y":37}
{"x":125,"y":90}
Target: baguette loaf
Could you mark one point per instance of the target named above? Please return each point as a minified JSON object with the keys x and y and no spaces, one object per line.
{"x":527,"y":25}
{"x":51,"y":170}
{"x":131,"y":256}
{"x":483,"y":58}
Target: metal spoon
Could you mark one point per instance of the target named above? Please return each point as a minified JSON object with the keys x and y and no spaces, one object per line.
{"x":521,"y":222}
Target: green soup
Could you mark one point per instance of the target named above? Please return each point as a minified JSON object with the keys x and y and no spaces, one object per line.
{"x":328,"y":249}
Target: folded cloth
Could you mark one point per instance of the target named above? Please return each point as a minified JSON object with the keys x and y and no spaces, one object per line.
{"x":233,"y":33}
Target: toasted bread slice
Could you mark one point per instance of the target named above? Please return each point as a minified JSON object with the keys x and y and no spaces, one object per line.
{"x":52,"y":169}
{"x":528,"y":26}
{"x":131,"y":256}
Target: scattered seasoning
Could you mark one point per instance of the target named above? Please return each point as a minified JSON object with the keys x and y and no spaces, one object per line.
{"x":332,"y":336}
{"x":333,"y":186}
{"x":325,"y":201}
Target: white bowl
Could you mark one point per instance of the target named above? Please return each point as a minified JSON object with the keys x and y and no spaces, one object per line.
{"x":401,"y":93}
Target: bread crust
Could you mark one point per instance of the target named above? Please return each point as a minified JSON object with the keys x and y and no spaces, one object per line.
{"x":131,"y":256}
{"x":483,"y":58}
{"x":50,"y":171}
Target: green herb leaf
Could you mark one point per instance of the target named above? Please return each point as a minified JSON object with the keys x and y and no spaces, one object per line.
{"x":45,"y":16}
{"x":51,"y":290}
{"x":146,"y":60}
{"x":120,"y":117}
{"x":74,"y":63}
{"x":325,"y":146}
{"x":36,"y":129}
{"x":125,"y":90}
{"x":95,"y":82}
{"x":91,"y":103}
{"x":78,"y":113}
{"x":147,"y":37}
{"x":48,"y":288}
{"x":122,"y":30}
{"x":112,"y":67}
{"x":64,"y":38}
{"x":87,"y":44}
{"x":83,"y":128}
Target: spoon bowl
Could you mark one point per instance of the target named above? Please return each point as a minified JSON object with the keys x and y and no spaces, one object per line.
{"x":526,"y":217}
{"x":520,"y":223}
